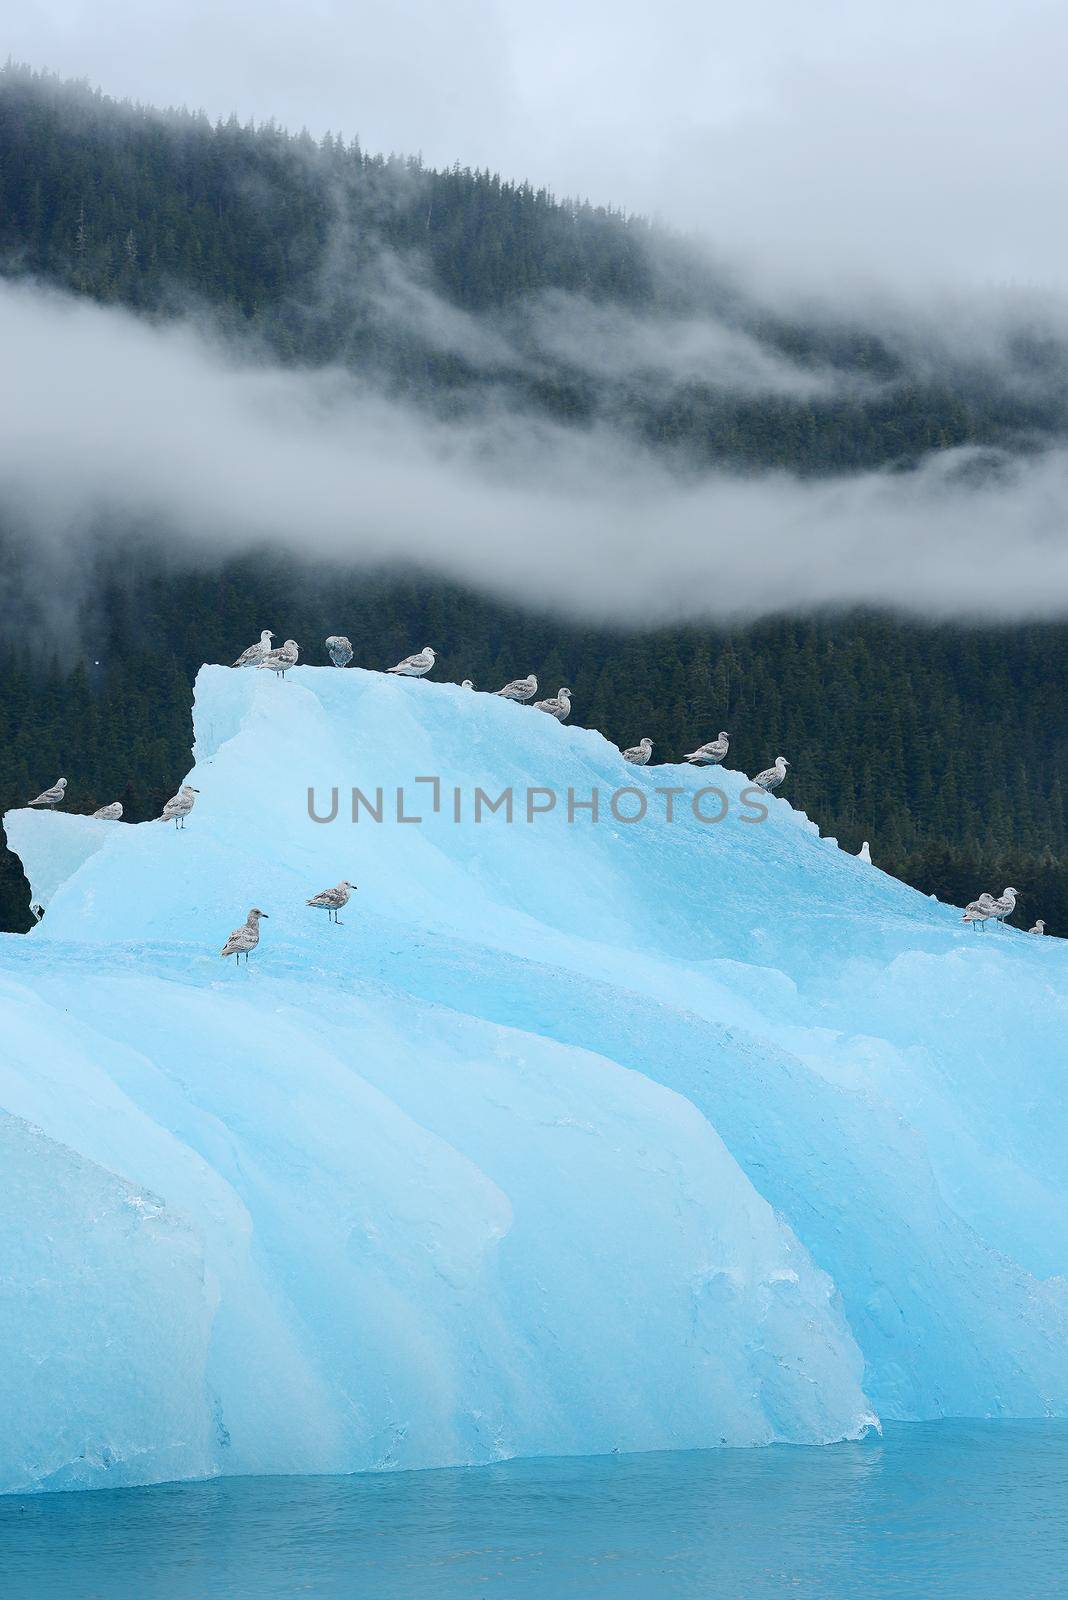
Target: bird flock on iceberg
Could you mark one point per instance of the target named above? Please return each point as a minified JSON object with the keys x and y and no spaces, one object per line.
{"x":263,"y":656}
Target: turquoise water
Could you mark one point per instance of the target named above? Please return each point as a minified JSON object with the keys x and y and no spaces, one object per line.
{"x":932,"y":1510}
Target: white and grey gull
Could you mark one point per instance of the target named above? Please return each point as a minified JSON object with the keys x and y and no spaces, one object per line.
{"x":1005,"y":905}
{"x":256,"y":652}
{"x":771,"y":777}
{"x":51,"y":797}
{"x":245,"y":938}
{"x":339,"y":649}
{"x":710,"y":754}
{"x":1039,"y":928}
{"x":416,"y":666}
{"x":332,"y":900}
{"x":978,"y":912}
{"x":280,"y":660}
{"x":521,"y":689}
{"x":638,"y":754}
{"x":111,"y":813}
{"x":558,"y":705}
{"x":180,"y":805}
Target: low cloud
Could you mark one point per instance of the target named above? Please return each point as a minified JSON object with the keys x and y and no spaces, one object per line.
{"x":546,"y":334}
{"x":107,"y":421}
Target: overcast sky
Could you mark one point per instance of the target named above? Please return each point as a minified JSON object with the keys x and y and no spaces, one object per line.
{"x":906,"y":142}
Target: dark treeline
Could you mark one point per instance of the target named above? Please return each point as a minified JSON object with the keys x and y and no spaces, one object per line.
{"x":299,"y":242}
{"x":947,"y":748}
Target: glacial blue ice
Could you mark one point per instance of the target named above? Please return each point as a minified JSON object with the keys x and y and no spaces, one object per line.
{"x":577,"y":1135}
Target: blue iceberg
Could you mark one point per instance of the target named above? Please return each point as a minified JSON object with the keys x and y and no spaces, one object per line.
{"x":584,"y":1132}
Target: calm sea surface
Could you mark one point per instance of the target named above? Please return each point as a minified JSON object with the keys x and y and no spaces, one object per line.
{"x":971,"y":1510}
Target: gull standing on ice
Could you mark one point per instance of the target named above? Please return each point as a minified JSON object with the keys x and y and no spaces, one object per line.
{"x":1039,"y":928}
{"x":978,"y":912}
{"x":773,"y":776}
{"x":711,"y":754}
{"x":557,"y":705}
{"x":416,"y":666}
{"x":256,"y":652}
{"x":1005,"y":905}
{"x":520,"y":689}
{"x":339,"y":649}
{"x":332,"y":900}
{"x":180,"y":805}
{"x":245,"y":938}
{"x":51,"y":797}
{"x":638,"y":754}
{"x":280,"y":660}
{"x":467,"y":684}
{"x":110,"y":813}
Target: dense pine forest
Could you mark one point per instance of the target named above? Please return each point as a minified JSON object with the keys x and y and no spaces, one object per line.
{"x":946,"y":746}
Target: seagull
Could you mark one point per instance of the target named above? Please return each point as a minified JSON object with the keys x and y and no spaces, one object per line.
{"x":977,"y":912}
{"x":467,"y":684}
{"x":245,"y":938}
{"x":256,"y":652}
{"x":638,"y":754}
{"x":1005,"y":905}
{"x":52,"y":797}
{"x":1039,"y":928}
{"x":280,"y":660}
{"x":772,"y":778}
{"x":110,"y":813}
{"x":711,"y":754}
{"x":557,"y":705}
{"x":864,"y":853}
{"x":520,"y":689}
{"x":179,"y":805}
{"x":416,"y":666}
{"x":339,"y":649}
{"x":332,"y":900}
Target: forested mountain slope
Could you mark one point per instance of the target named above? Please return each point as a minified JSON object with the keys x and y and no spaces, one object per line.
{"x":329,"y":253}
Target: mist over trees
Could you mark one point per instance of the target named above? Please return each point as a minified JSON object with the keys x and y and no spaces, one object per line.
{"x":330,"y":254}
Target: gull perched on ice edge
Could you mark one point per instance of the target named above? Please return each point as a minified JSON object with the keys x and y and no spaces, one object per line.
{"x":256,"y":652}
{"x":339,"y":649}
{"x":332,"y":900}
{"x":772,"y":776}
{"x":1005,"y":905}
{"x":978,"y":912}
{"x":520,"y":689}
{"x":557,"y":705}
{"x":280,"y":660}
{"x":415,"y":666}
{"x":710,"y":754}
{"x":110,"y":813}
{"x":51,"y":797}
{"x":638,"y":754}
{"x":1039,"y":927}
{"x":245,"y":938}
{"x":180,"y":805}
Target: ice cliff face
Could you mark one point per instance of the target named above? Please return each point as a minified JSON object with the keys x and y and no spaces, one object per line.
{"x":578,"y":1135}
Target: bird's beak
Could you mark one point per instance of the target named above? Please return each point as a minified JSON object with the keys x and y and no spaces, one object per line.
{"x":264,"y":914}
